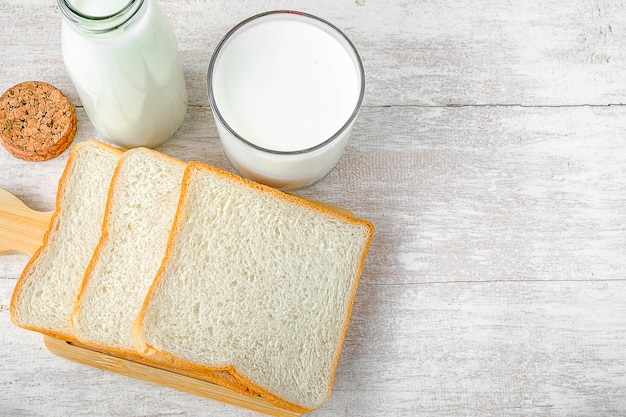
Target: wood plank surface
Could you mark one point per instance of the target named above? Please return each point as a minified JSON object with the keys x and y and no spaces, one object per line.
{"x":491,"y":156}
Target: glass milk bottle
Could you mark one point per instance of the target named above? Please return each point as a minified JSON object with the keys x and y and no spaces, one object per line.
{"x":122,"y":58}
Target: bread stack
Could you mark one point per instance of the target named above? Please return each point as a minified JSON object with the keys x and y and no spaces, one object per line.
{"x":186,"y":266}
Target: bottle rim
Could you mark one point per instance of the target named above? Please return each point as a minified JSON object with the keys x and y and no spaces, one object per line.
{"x":99,"y":24}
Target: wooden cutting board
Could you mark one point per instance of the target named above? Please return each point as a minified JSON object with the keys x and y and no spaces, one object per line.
{"x":22,"y":229}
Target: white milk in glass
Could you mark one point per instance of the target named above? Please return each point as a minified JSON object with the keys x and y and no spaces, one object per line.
{"x":285,"y":89}
{"x":125,"y":69}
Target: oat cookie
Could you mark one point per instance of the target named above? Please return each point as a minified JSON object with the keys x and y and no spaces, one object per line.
{"x":37,"y":121}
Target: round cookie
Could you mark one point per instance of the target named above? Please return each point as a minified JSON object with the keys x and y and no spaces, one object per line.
{"x":37,"y":121}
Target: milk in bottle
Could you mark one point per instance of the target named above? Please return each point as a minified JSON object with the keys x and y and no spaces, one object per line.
{"x":122,"y":57}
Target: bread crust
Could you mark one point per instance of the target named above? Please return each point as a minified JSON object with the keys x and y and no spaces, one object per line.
{"x":247,"y":383}
{"x":53,"y":225}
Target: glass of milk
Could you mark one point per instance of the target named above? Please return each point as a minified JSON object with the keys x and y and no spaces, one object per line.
{"x":122,"y":57}
{"x":285,"y":88}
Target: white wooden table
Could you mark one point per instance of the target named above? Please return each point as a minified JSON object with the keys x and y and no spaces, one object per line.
{"x":490,"y":153}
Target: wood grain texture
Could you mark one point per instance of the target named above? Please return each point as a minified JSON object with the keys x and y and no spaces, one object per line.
{"x":21,"y":228}
{"x":490,"y":154}
{"x":168,"y":377}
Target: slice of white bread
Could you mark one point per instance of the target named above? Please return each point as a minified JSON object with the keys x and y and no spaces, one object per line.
{"x":44,"y":295}
{"x":139,"y":213}
{"x":256,"y":283}
{"x":140,"y":209}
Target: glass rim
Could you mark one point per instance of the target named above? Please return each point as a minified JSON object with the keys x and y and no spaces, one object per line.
{"x":76,"y":16}
{"x":351,"y":49}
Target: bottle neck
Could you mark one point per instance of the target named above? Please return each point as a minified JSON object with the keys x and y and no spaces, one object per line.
{"x":91,"y":17}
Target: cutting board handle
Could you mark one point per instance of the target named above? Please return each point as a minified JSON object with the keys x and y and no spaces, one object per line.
{"x":21,"y":228}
